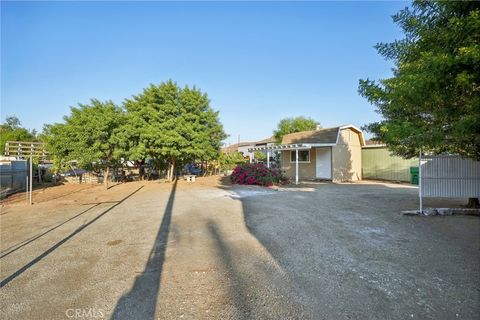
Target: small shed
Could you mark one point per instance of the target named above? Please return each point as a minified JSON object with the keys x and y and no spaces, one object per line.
{"x":326,"y":154}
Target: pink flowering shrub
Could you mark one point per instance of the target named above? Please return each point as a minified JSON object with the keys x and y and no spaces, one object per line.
{"x":258,"y":174}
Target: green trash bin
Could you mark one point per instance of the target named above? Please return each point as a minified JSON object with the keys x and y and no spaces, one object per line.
{"x":414,"y":175}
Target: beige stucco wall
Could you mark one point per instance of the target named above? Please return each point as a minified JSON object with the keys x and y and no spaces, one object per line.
{"x":347,"y":157}
{"x":346,"y":160}
{"x":305,"y":170}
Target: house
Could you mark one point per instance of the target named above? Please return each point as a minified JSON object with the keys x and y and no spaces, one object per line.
{"x":268,"y":142}
{"x":244,"y":147}
{"x":241,"y":147}
{"x":328,"y":154}
{"x":265,"y":142}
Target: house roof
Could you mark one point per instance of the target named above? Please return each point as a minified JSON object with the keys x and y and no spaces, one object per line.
{"x":327,"y":135}
{"x":265,"y":141}
{"x":234,"y":147}
{"x":319,"y":136}
{"x":308,"y":139}
{"x":374,"y":144}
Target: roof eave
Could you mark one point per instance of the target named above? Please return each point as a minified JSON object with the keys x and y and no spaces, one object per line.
{"x":283,"y":147}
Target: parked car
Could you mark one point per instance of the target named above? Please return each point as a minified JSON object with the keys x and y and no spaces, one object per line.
{"x":191,"y":168}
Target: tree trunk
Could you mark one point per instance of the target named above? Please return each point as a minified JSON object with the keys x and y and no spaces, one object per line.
{"x":105,"y":177}
{"x":171,"y":170}
{"x":473,"y":203}
{"x":141,"y":170}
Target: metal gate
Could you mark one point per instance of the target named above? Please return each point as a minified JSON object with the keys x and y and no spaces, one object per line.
{"x":13,"y":176}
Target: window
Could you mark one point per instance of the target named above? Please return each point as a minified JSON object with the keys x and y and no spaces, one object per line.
{"x":303,"y":156}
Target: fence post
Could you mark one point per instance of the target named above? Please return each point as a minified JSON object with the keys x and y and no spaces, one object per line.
{"x":31,"y":178}
{"x":26,"y":186}
{"x":420,"y":193}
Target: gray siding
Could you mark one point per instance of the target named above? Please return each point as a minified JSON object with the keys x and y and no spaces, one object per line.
{"x":12,"y":176}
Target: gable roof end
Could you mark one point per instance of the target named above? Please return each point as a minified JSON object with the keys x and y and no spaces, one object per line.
{"x":357,"y":130}
{"x":321,"y":136}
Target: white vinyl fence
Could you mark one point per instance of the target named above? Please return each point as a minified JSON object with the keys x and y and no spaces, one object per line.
{"x":448,"y":176}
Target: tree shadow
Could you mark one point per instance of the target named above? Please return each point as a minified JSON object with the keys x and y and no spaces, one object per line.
{"x":239,"y":288}
{"x":258,"y":286}
{"x":141,"y":301}
{"x":59,"y":243}
{"x":19,"y":245}
{"x":342,"y":169}
{"x":345,"y":241}
{"x":115,"y":184}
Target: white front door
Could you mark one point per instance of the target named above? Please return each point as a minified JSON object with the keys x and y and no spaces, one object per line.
{"x":324,"y":163}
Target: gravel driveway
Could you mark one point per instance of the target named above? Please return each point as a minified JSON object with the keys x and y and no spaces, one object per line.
{"x":208,"y":250}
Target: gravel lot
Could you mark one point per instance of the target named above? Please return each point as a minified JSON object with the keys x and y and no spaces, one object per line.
{"x":209,"y":250}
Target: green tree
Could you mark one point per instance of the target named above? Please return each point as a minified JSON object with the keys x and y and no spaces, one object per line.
{"x":259,"y":156}
{"x":89,"y":135}
{"x":291,"y":125}
{"x":12,"y":122}
{"x":172,"y":123}
{"x":12,"y":130}
{"x":432,"y":102}
{"x":229,"y":161}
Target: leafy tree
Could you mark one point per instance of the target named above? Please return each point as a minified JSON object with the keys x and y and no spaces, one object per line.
{"x":172,"y":123}
{"x":89,"y":135}
{"x":291,"y":125}
{"x":12,"y":122}
{"x":228,"y":161}
{"x":12,"y":130}
{"x":432,"y":102}
{"x":259,"y":156}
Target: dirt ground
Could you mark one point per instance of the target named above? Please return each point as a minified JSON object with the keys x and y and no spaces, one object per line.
{"x":209,"y":250}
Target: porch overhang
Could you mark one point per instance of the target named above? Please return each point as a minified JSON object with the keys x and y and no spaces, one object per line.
{"x":289,"y":147}
{"x":295,"y":146}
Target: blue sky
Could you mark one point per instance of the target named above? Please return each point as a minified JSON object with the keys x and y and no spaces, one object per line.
{"x":258,"y":62}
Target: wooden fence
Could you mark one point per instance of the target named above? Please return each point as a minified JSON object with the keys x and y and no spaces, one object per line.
{"x":24,"y":149}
